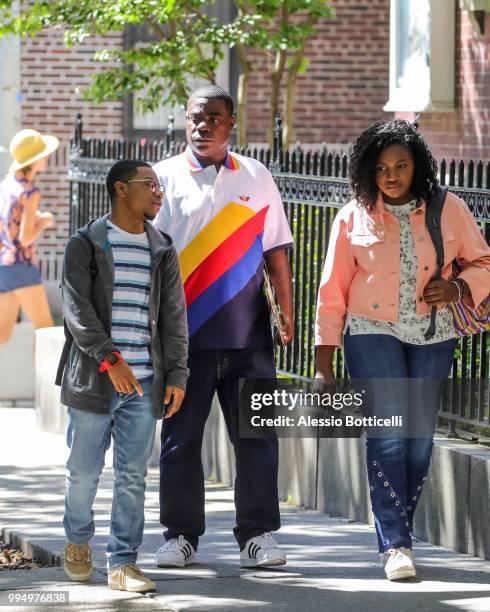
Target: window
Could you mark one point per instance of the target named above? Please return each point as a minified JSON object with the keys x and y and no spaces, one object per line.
{"x":422,"y":56}
{"x":153,"y":125}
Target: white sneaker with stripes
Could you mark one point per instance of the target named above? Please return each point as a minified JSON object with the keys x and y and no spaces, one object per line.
{"x":176,"y":552}
{"x":262,"y":551}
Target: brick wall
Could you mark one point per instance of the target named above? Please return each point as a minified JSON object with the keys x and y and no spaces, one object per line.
{"x":343,"y":91}
{"x":465,"y":133}
{"x":50,"y":76}
{"x":346,"y":83}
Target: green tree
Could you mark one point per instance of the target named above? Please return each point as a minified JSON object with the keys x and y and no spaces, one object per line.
{"x":281,"y":30}
{"x":188,"y":43}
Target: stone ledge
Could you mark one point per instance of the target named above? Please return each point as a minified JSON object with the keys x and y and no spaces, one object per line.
{"x":17,"y":379}
{"x":29,"y":547}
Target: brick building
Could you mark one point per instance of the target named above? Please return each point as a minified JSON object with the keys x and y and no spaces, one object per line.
{"x":345,"y":88}
{"x":51,"y":76}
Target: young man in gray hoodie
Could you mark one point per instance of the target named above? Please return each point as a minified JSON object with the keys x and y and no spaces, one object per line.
{"x":123,"y":367}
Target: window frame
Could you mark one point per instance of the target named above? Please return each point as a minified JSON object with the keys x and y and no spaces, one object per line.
{"x":442,"y":62}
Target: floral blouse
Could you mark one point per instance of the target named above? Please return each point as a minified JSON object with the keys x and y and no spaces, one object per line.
{"x":410,"y":327}
{"x":11,"y":251}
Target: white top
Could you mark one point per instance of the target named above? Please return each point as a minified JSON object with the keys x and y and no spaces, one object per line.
{"x":410,"y":327}
{"x":130,"y":330}
{"x":222,"y":223}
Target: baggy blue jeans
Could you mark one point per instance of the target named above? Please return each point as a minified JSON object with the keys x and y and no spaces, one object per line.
{"x":398,"y":467}
{"x":181,"y":470}
{"x":132,"y":425}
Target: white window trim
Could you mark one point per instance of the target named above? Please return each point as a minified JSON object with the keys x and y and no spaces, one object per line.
{"x":442,"y":61}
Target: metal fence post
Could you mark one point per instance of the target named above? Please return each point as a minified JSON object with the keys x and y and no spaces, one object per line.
{"x":76,"y":151}
{"x":170,"y":136}
{"x":77,"y":139}
{"x":276,"y":162}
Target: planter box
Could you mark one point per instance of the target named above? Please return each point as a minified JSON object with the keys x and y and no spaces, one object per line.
{"x":17,"y":364}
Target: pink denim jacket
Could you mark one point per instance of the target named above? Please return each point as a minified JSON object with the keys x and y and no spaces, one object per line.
{"x":362,"y":269}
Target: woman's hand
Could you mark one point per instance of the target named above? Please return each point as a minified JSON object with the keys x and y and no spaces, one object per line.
{"x":324,"y":370}
{"x":441,"y":291}
{"x":44,"y":220}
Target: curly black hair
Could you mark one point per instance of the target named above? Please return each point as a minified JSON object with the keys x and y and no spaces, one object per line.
{"x":366,"y":151}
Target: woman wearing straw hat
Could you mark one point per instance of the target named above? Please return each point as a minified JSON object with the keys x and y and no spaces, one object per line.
{"x":21,"y":222}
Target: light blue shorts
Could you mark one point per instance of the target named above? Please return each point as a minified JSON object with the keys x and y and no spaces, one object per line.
{"x":19,"y":275}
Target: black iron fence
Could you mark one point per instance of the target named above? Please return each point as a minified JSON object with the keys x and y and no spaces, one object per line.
{"x":313,"y":185}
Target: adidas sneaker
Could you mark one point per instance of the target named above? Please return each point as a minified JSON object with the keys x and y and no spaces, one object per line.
{"x":176,"y":552}
{"x":262,"y":551}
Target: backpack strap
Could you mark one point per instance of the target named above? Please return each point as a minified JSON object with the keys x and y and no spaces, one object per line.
{"x":433,"y":216}
{"x":68,"y":336}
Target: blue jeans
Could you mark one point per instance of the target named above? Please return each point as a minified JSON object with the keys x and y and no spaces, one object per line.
{"x":398,"y":467}
{"x":181,"y":471}
{"x":132,"y":425}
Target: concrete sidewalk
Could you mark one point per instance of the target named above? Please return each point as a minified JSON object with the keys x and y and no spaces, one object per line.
{"x":332,"y":562}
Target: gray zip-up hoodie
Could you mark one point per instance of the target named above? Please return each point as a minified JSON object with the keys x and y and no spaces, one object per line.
{"x":87,"y":289}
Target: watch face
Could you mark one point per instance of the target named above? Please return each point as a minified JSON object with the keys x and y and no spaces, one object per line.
{"x":112,"y":359}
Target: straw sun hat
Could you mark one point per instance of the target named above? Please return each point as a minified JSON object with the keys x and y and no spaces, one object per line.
{"x":28,"y":146}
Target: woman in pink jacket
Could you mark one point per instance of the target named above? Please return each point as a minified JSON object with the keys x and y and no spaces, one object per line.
{"x":376,"y":296}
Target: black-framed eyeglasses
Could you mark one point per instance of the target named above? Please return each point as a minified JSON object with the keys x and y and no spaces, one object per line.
{"x":153,"y":185}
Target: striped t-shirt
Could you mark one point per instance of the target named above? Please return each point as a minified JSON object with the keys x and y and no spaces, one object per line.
{"x":130,"y":304}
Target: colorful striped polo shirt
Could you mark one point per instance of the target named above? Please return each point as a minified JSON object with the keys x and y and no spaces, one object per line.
{"x":130,"y":304}
{"x":222,"y":224}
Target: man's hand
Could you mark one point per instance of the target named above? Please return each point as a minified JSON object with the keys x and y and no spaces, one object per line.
{"x":440,"y":292}
{"x":123,"y":378}
{"x":288,"y":334}
{"x":173,"y":399}
{"x":280,"y":275}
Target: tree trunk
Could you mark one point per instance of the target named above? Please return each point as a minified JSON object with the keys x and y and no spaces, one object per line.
{"x":289,"y":105}
{"x":276,"y":78}
{"x":291,"y":83}
{"x":243,"y":82}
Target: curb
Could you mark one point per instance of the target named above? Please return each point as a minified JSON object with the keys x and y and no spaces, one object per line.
{"x":29,"y":547}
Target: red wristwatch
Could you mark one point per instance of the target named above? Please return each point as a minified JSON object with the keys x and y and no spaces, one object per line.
{"x":110,"y":361}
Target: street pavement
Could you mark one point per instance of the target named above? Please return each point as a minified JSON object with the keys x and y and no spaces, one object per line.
{"x":332,"y":562}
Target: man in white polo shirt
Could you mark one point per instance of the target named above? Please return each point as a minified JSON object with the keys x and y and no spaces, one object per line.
{"x":225,"y":216}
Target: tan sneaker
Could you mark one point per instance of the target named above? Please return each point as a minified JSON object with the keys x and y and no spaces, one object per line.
{"x":129,"y":578}
{"x":77,"y":562}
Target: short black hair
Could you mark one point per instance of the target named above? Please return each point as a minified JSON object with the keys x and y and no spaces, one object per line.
{"x":122,"y":170}
{"x":216,"y":93}
{"x":366,"y":151}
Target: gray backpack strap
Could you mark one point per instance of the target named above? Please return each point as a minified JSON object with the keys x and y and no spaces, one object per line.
{"x":68,"y":337}
{"x":433,"y":215}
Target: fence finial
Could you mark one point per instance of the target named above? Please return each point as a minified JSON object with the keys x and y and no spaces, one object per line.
{"x":277,"y":152}
{"x":169,"y":134}
{"x":76,"y":142}
{"x":78,"y":129}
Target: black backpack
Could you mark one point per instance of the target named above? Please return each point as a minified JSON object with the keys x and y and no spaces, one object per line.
{"x":433,"y":215}
{"x":68,"y":337}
